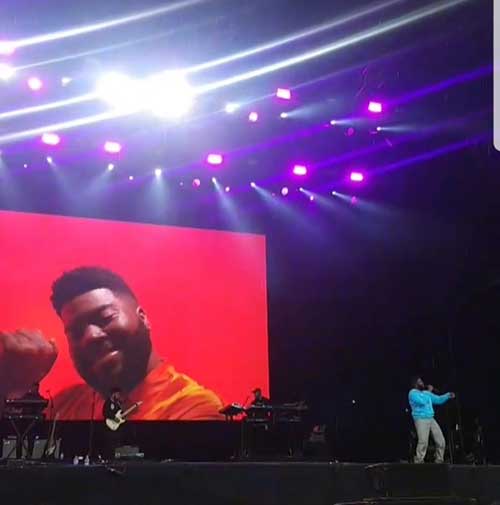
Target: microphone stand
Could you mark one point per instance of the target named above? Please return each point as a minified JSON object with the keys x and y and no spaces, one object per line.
{"x":51,"y":417}
{"x":91,"y":427}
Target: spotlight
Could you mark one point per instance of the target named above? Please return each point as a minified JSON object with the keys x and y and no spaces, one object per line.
{"x":334,"y":193}
{"x":6,"y":71}
{"x":112,"y":147}
{"x":299,"y":170}
{"x":49,"y":159}
{"x":311,"y":198}
{"x":301,"y":189}
{"x":111,"y":167}
{"x":231,"y":107}
{"x":333,"y":122}
{"x":284,"y":93}
{"x":130,"y":177}
{"x":35,"y":84}
{"x":284,"y":191}
{"x":214,"y":180}
{"x":253,"y":185}
{"x":25,"y":165}
{"x":253,"y":117}
{"x":227,"y":189}
{"x":215,"y":159}
{"x":284,"y":115}
{"x":120,"y":92}
{"x":158,"y":172}
{"x":51,"y":139}
{"x":375,"y":107}
{"x":196,"y":183}
{"x":379,"y":128}
{"x":356,"y":177}
{"x":7,"y":48}
{"x":168,"y":94}
{"x":65,"y":81}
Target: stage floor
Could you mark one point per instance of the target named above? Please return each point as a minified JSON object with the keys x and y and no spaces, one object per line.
{"x":229,"y":483}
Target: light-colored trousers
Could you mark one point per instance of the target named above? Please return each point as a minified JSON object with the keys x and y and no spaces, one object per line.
{"x":424,"y":427}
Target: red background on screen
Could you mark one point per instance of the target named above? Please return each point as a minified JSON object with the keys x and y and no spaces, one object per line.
{"x":204,"y":292}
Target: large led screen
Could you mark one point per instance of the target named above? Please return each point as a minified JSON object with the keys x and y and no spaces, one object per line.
{"x":175,"y":318}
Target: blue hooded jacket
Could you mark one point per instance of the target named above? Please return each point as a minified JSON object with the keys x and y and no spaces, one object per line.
{"x":421,"y":403}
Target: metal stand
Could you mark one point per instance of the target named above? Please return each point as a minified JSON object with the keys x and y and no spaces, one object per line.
{"x":22,"y":441}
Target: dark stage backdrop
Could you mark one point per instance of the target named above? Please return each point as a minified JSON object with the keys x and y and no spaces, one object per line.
{"x":204,"y":292}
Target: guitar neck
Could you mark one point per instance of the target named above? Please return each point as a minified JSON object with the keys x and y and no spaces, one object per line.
{"x":129,"y":410}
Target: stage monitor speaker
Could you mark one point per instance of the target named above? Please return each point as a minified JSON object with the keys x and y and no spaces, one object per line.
{"x":410,"y":480}
{"x":128,"y":452}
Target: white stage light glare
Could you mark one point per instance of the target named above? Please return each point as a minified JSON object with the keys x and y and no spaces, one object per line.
{"x":120,"y":92}
{"x":6,"y":71}
{"x":231,"y":107}
{"x":168,"y":94}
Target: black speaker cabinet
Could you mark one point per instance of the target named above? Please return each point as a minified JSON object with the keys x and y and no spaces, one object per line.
{"x":409,"y":480}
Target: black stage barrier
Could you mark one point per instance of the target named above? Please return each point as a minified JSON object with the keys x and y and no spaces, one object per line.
{"x":229,"y":483}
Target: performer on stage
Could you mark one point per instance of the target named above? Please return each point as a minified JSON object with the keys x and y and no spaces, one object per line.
{"x":112,"y":405}
{"x":109,"y":340}
{"x":258,"y":399}
{"x":421,"y":400}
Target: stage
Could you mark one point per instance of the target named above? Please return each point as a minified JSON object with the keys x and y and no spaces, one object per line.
{"x":242,"y":483}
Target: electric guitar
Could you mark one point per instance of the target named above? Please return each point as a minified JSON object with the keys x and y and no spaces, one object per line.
{"x":121,"y":417}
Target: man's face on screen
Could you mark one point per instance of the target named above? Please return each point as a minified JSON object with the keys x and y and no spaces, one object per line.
{"x":108,"y":336}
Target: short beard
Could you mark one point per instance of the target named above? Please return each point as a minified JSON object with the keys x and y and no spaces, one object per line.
{"x":134,"y":370}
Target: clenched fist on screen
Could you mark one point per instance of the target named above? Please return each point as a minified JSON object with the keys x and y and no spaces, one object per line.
{"x":26,"y":357}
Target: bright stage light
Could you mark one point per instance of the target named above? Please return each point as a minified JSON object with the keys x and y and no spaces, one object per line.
{"x":356,"y":177}
{"x":284,"y":115}
{"x":311,"y":198}
{"x":35,"y":84}
{"x":379,"y":128}
{"x":49,"y":159}
{"x":231,"y":107}
{"x":6,"y":71}
{"x":253,"y":185}
{"x":51,"y":139}
{"x":334,"y":193}
{"x":196,"y":183}
{"x":375,"y":107}
{"x":333,"y":122}
{"x":300,"y":170}
{"x":111,"y":167}
{"x":158,"y":172}
{"x":284,"y":93}
{"x":227,"y":189}
{"x":168,"y":94}
{"x":65,"y":81}
{"x":253,"y":117}
{"x":25,"y":165}
{"x":284,"y":191}
{"x":215,"y":159}
{"x":112,"y":147}
{"x":120,"y":92}
{"x":301,"y":189}
{"x":214,"y":180}
{"x":7,"y":48}
{"x":130,"y":177}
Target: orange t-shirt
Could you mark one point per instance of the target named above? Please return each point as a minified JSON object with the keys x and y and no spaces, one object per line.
{"x":165,"y":393}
